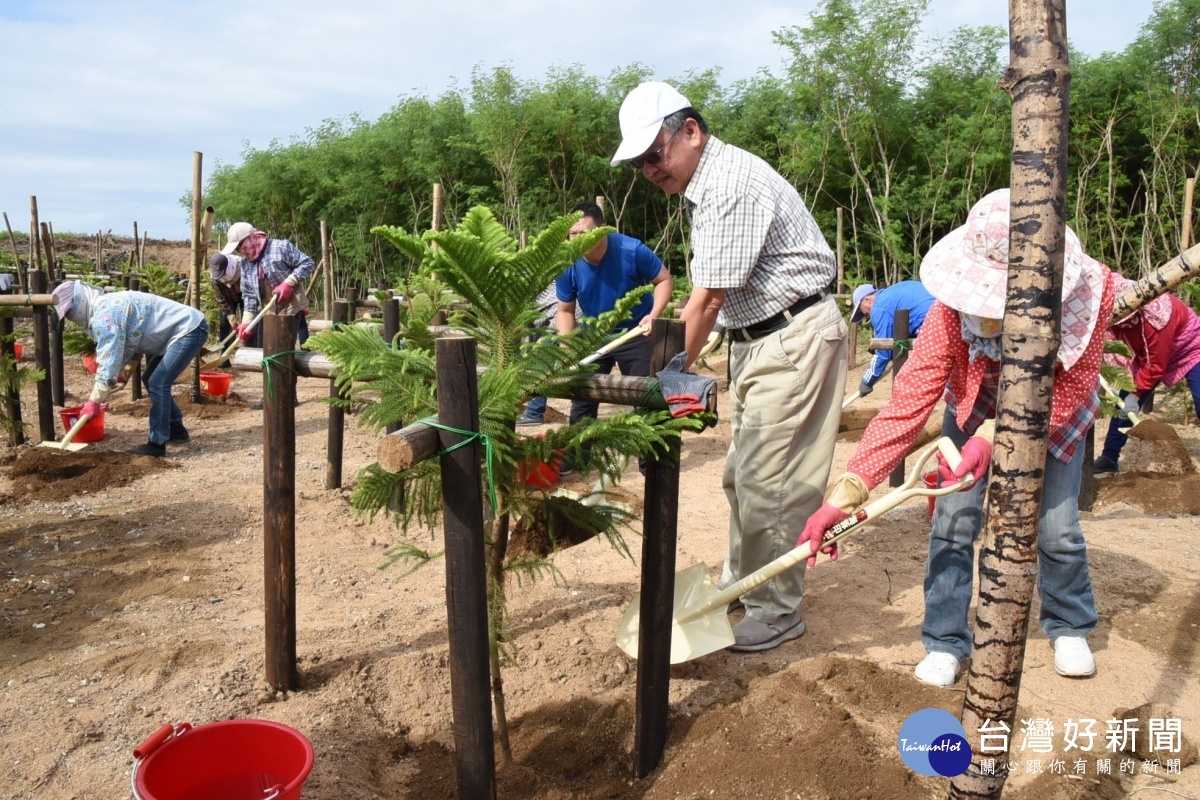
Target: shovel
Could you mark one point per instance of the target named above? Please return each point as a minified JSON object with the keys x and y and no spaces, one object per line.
{"x":630,"y":334}
{"x":225,"y":354}
{"x":1134,"y":417}
{"x":850,"y":399}
{"x":699,"y":620}
{"x":66,"y":443}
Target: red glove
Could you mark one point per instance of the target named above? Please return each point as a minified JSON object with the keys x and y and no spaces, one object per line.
{"x":244,"y":331}
{"x":91,"y":409}
{"x":826,"y":517}
{"x":976,"y":457}
{"x":283,"y":293}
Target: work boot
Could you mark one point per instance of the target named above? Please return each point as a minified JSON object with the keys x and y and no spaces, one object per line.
{"x":1103,"y":466}
{"x":525,"y":418}
{"x":148,"y":449}
{"x":1073,"y":658}
{"x":751,"y":635}
{"x":179,"y":434}
{"x":938,"y":669}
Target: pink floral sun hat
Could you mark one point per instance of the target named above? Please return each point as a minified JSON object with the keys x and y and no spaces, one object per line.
{"x":968,"y":270}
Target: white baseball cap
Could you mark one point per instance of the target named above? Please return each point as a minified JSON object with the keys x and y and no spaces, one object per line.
{"x":237,"y":232}
{"x":641,"y":116}
{"x":860,"y":294}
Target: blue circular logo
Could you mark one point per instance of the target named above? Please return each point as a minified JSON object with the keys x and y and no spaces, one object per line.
{"x":933,"y":742}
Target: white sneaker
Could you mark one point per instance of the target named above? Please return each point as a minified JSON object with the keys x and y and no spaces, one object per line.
{"x":939,"y":669}
{"x":1073,"y":657}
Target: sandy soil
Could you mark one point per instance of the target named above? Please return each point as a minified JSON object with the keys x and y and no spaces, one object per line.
{"x":139,"y":601}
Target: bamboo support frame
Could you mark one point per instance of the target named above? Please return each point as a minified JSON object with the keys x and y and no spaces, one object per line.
{"x":22,"y":276}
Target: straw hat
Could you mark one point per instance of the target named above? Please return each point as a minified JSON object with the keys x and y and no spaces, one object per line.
{"x":968,"y":271}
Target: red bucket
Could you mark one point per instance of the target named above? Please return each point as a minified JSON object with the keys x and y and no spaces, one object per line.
{"x":238,"y":759}
{"x":89,"y":363}
{"x":215,"y":384}
{"x":92,"y":430}
{"x":18,"y":349}
{"x":539,"y":473}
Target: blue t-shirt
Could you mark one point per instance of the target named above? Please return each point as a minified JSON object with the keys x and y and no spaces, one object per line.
{"x":906,"y":294}
{"x":627,"y":264}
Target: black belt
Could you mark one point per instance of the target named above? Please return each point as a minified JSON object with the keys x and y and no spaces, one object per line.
{"x":775,"y":323}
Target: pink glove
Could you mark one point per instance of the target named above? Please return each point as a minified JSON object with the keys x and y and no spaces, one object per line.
{"x":283,"y":293}
{"x":976,"y":457}
{"x":826,"y":517}
{"x":244,"y":331}
{"x":91,"y":409}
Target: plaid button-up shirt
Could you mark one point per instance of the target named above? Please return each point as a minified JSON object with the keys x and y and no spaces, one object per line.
{"x":752,"y":235}
{"x":278,"y":259}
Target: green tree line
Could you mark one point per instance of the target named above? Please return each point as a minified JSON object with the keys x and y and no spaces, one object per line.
{"x":901,"y":133}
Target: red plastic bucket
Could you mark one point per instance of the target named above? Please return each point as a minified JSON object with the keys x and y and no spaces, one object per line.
{"x":18,"y":349}
{"x":238,"y":759}
{"x":215,"y":384}
{"x":92,"y":430}
{"x":89,"y":363}
{"x":539,"y":473}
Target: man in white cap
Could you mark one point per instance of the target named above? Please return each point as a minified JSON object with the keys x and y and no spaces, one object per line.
{"x":760,"y":267}
{"x":880,"y":306}
{"x":957,"y":356}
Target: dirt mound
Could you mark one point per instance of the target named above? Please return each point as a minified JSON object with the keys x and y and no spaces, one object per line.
{"x":52,"y":475}
{"x":1153,"y":492}
{"x":1169,"y":455}
{"x":207,"y":408}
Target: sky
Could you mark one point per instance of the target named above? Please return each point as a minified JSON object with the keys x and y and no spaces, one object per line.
{"x":107,"y":100}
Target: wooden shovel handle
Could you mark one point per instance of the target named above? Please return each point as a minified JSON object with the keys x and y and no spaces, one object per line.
{"x":632,"y":333}
{"x":76,"y":428}
{"x":1134,"y":417}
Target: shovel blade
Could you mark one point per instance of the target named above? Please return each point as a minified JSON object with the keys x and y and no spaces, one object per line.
{"x":71,"y":447}
{"x":695,"y":629}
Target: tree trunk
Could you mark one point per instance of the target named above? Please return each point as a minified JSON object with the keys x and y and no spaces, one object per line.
{"x":1038,"y":80}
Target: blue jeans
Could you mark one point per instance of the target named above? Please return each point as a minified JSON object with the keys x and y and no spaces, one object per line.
{"x":1116,"y":438}
{"x":536,"y":407}
{"x":1064,"y":583}
{"x":160,"y":374}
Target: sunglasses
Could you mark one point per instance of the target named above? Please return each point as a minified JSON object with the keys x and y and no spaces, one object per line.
{"x":654,"y":156}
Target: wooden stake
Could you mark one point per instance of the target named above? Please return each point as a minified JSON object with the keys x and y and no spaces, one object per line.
{"x":35,"y":243}
{"x":1185,"y":233}
{"x":466,"y":577}
{"x":279,"y":500}
{"x":135,"y":376}
{"x":41,"y":348}
{"x":842,"y":288}
{"x":12,"y":397}
{"x":336,"y":424}
{"x":901,"y":327}
{"x":328,"y":261}
{"x":22,"y":277}
{"x":439,"y":202}
{"x":660,"y":526}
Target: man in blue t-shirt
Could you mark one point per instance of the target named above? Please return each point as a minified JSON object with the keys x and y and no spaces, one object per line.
{"x":606,"y":273}
{"x":880,"y":306}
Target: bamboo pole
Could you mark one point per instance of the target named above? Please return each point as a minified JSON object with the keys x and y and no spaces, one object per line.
{"x":439,"y":202}
{"x":41,"y":299}
{"x":841,"y":252}
{"x":99,"y":252}
{"x":135,"y":375}
{"x":900,"y":318}
{"x":51,"y":255}
{"x":1183,"y":267}
{"x":1038,"y":81}
{"x":279,"y":500}
{"x":12,"y":396}
{"x":1185,"y":232}
{"x":22,"y":277}
{"x":328,"y":261}
{"x":198,"y":254}
{"x":135,"y":260}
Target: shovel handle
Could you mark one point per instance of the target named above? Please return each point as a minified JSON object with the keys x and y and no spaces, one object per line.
{"x":237,"y":342}
{"x":76,"y":428}
{"x":846,"y":527}
{"x":632,"y":333}
{"x":850,"y":399}
{"x":1134,"y":417}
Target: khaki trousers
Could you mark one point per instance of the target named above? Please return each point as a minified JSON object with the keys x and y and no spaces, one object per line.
{"x":785,"y":395}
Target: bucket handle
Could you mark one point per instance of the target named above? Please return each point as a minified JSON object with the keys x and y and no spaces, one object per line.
{"x":152,"y":743}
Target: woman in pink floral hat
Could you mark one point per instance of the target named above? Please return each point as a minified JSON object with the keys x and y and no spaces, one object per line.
{"x":957,"y":356}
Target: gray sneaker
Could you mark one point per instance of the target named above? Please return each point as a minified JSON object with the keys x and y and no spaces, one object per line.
{"x":525,"y":418}
{"x":751,"y":635}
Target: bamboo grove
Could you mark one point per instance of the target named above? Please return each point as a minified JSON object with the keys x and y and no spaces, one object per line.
{"x":902,"y":133}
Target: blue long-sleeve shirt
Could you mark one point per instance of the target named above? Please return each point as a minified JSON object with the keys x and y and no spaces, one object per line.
{"x":905,"y":294}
